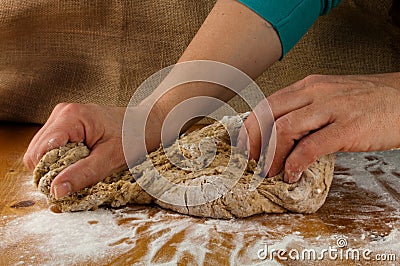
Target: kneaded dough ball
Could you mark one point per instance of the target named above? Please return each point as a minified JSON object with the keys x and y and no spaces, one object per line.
{"x":223,"y":180}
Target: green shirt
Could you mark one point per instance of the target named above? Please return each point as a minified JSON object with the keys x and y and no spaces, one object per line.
{"x":290,"y":18}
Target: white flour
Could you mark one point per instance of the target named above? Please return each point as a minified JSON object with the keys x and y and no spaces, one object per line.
{"x":102,"y":236}
{"x":96,"y":236}
{"x":71,"y":236}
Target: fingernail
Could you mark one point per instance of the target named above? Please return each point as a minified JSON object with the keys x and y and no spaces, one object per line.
{"x":62,"y":190}
{"x":292,"y":177}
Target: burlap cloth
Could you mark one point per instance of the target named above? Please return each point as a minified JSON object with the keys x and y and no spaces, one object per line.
{"x":99,"y":51}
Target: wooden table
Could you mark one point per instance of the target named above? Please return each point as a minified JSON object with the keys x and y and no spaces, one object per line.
{"x":361,"y":214}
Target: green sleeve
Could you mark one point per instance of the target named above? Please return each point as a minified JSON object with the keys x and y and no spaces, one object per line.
{"x":290,"y":18}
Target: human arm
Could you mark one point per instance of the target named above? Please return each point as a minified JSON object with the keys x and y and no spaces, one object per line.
{"x":232,"y":34}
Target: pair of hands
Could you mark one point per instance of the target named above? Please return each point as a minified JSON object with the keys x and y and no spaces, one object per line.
{"x":315,"y":116}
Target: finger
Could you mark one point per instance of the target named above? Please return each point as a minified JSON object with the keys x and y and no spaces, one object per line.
{"x":294,"y":126}
{"x":324,"y":141}
{"x":284,"y":103}
{"x":256,"y":131}
{"x":63,"y":123}
{"x":250,"y":137}
{"x":269,"y":153}
{"x":34,"y":154}
{"x":31,"y":154}
{"x":58,"y":134}
{"x":102,"y":162}
{"x":52,"y":118}
{"x":55,"y":137}
{"x":28,"y":156}
{"x":298,"y":95}
{"x":61,"y":127}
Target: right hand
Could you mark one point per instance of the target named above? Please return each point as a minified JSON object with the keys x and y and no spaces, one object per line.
{"x":323,"y":114}
{"x":100,"y":127}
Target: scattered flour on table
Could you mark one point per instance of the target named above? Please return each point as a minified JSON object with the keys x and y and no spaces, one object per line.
{"x":96,"y":236}
{"x":76,"y":238}
{"x":73,"y":236}
{"x":359,"y":164}
{"x":390,"y":242}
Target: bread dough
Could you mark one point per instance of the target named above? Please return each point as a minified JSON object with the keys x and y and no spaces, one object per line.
{"x":212,"y":175}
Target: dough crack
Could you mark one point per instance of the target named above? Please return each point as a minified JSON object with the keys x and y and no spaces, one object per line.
{"x":193,"y":177}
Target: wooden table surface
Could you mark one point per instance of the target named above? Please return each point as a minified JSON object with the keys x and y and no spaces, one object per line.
{"x":362,"y":213}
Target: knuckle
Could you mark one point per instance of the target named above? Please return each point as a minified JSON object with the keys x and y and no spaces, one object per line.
{"x":314,"y":83}
{"x":68,"y":109}
{"x":92,"y":105}
{"x":314,"y":89}
{"x":85,"y":178}
{"x":60,"y":106}
{"x":88,"y":174}
{"x":346,"y":135}
{"x":283,"y":126}
{"x":313,"y":78}
{"x":57,"y":140}
{"x":71,"y":108}
{"x":117,"y":159}
{"x":309,"y":149}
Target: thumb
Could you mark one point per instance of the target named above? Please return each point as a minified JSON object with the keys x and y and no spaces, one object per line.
{"x":325,"y":141}
{"x":101,"y":162}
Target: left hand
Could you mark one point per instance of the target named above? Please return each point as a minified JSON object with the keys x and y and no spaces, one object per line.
{"x":320,"y":115}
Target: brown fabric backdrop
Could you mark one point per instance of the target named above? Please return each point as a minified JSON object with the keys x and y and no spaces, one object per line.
{"x":99,"y":51}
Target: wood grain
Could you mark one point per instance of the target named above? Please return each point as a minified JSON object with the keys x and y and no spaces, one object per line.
{"x":363,"y":205}
{"x":14,"y":140}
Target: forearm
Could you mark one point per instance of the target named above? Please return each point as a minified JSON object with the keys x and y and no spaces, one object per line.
{"x":231,"y":34}
{"x":235,"y":35}
{"x":239,"y":35}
